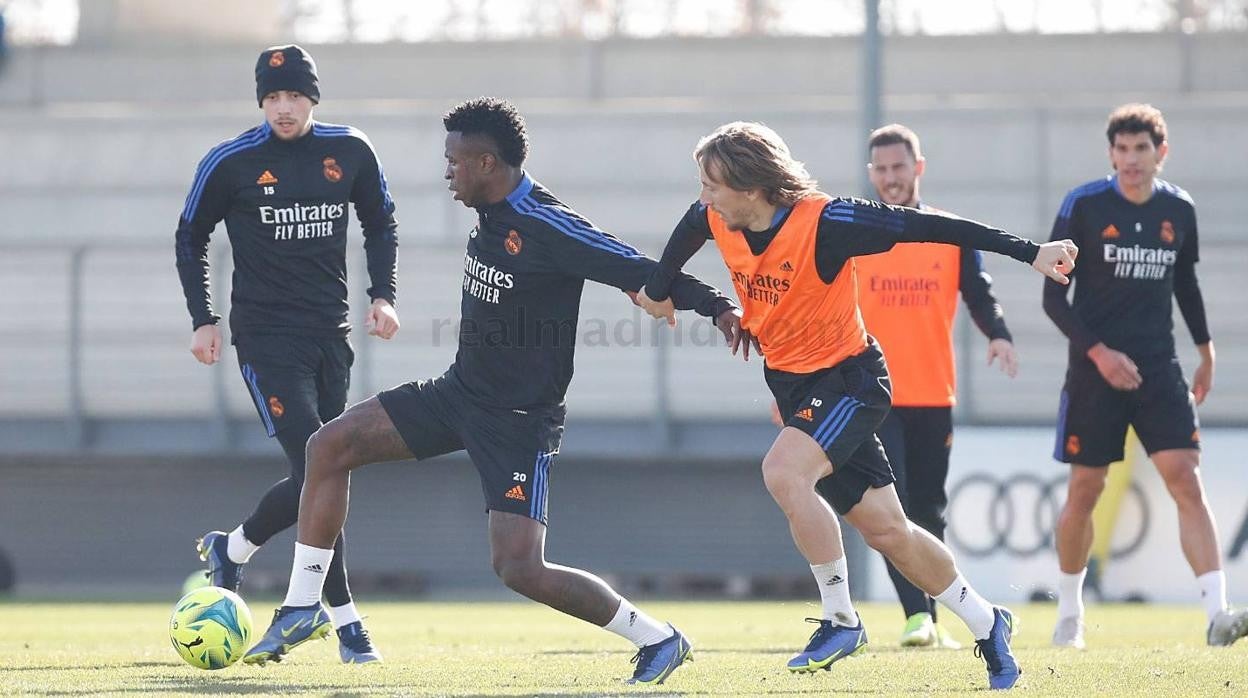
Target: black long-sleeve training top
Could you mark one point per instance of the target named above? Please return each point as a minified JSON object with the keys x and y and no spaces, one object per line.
{"x":1132,"y":259}
{"x":524,"y":270}
{"x":284,"y":204}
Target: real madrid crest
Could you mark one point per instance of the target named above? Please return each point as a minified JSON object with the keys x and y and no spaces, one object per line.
{"x":513,"y":243}
{"x":331,"y":170}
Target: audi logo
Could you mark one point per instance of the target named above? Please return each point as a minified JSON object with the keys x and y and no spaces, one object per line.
{"x":1017,"y":515}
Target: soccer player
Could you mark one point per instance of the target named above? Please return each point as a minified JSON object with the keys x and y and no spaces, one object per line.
{"x":283,"y":189}
{"x":908,"y":298}
{"x":502,"y":400}
{"x":790,"y":249}
{"x":1141,"y":235}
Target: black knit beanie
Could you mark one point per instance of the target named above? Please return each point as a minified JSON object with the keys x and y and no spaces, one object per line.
{"x":286,"y":68}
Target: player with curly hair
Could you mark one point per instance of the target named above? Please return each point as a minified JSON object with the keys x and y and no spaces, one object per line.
{"x":502,"y":401}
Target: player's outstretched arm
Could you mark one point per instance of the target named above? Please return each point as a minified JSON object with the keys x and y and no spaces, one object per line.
{"x":856,"y":227}
{"x":689,"y":235}
{"x":1056,"y":260}
{"x":598,"y":256}
{"x":659,"y":310}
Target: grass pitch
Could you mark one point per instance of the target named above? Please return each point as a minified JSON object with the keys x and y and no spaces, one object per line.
{"x":526,"y":649}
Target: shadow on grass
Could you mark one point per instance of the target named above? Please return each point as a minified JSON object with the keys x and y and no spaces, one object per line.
{"x":81,"y":667}
{"x":698,"y":650}
{"x":207,"y":685}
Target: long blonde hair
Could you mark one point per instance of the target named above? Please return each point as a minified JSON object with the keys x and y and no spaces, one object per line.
{"x":750,"y":155}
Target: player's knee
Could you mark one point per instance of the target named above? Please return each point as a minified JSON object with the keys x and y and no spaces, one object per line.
{"x":1185,"y":487}
{"x":521,"y":573}
{"x":1084,"y":490}
{"x":327,"y":451}
{"x":782,"y":479}
{"x":887,"y":536}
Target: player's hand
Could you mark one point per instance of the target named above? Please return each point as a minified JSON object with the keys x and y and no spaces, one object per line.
{"x":1056,"y":260}
{"x":1004,"y":349}
{"x":656,"y":309}
{"x":206,"y":344}
{"x":1202,"y":381}
{"x":382,"y":320}
{"x":737,"y":337}
{"x":1116,"y":367}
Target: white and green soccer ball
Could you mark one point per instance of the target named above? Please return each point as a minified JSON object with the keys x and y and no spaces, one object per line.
{"x":210,"y":628}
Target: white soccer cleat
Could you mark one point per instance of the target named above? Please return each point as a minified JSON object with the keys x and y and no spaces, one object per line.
{"x":1069,"y":633}
{"x":1228,"y":626}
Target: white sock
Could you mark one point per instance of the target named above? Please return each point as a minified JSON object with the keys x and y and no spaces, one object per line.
{"x":637,"y":627}
{"x":969,"y":606}
{"x":1070,"y":594}
{"x":1213,"y":592}
{"x":344,"y":615}
{"x":238,"y":548}
{"x":833,"y":580}
{"x":307,"y":575}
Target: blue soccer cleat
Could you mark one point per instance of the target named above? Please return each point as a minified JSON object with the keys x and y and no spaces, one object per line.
{"x":1003,"y":671}
{"x":354,"y":647}
{"x":222,"y":571}
{"x":656,"y":662}
{"x":292,"y":626}
{"x":829,"y":643}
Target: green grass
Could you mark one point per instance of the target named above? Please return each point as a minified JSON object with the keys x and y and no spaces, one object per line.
{"x":526,"y":649}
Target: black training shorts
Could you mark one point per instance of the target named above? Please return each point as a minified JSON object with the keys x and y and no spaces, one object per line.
{"x":511,"y":449}
{"x":840,"y":408}
{"x":295,"y":381}
{"x":1093,"y":416}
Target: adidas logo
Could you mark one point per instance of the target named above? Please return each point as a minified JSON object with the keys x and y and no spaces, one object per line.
{"x":515,"y":493}
{"x":632,"y":618}
{"x":785,"y":266}
{"x":1110,"y":232}
{"x":807,"y":414}
{"x":315,"y":568}
{"x":962,"y":596}
{"x":267,"y":178}
{"x":836,"y":579}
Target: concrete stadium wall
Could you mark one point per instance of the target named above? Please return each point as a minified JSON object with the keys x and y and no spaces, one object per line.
{"x":100,"y":146}
{"x":1023,"y":65}
{"x":127,"y":528}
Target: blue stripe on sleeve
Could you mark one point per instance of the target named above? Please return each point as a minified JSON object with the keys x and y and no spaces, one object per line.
{"x":574,"y":227}
{"x":248,"y":139}
{"x":850,"y":212}
{"x":1089,"y":189}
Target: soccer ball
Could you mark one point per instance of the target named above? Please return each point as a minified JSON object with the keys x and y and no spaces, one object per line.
{"x":210,"y":628}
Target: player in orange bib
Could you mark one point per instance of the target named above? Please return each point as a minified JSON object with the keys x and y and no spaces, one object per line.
{"x":790,"y":249}
{"x":909,"y":297}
